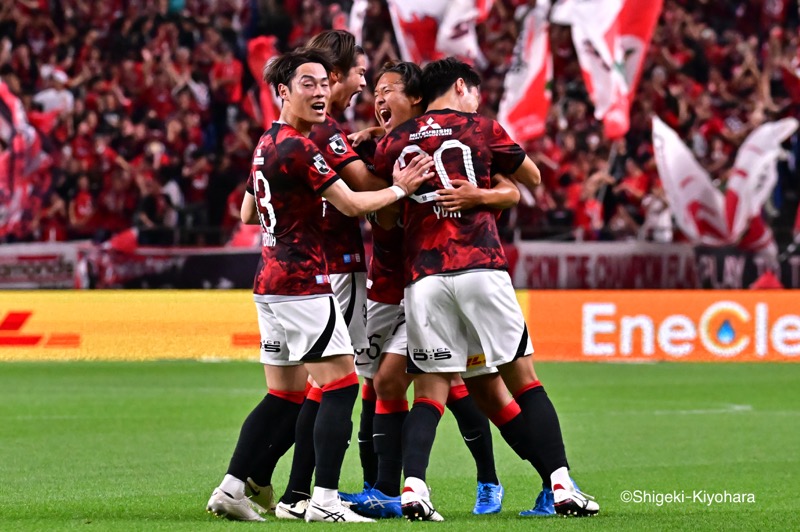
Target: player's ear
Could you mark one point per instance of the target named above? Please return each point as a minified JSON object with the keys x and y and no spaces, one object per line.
{"x":283,"y":91}
{"x":461,"y":87}
{"x":336,"y":76}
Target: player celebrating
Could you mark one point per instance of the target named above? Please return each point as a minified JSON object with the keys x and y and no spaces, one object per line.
{"x":302,"y":328}
{"x":344,"y":252}
{"x":458,"y":293}
{"x":398,"y":97}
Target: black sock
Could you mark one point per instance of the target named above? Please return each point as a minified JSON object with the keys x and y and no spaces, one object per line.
{"x":299,"y":486}
{"x":388,"y":433}
{"x":474,"y":427}
{"x":366,"y":449}
{"x":419,"y":430}
{"x":257,"y":430}
{"x":518,"y":435}
{"x":547,"y":441}
{"x":282,"y":439}
{"x":332,"y":433}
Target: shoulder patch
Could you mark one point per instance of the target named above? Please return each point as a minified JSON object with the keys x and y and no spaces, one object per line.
{"x":321,"y":165}
{"x":337,"y":144}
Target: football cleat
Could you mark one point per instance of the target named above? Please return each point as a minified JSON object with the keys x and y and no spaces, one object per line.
{"x":262,"y":497}
{"x":571,"y":502}
{"x":543,"y":507}
{"x":489,"y":499}
{"x":296,"y":510}
{"x":373,"y":503}
{"x":418,"y":507}
{"x":335,"y":513}
{"x":222,"y":504}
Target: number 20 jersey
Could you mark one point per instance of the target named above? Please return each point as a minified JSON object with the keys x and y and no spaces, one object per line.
{"x":464,"y":146}
{"x":287,"y":177}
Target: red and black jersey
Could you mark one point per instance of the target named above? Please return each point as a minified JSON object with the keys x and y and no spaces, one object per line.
{"x":385,"y":279}
{"x":342,"y":243}
{"x":287,"y":178}
{"x":463,"y":146}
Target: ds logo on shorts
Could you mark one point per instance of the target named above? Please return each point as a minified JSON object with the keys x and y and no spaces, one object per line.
{"x":441,"y":353}
{"x":271,"y":346}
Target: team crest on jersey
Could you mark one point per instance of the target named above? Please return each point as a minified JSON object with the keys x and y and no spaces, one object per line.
{"x":320,"y":164}
{"x":337,"y":144}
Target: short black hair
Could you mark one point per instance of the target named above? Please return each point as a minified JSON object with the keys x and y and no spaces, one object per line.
{"x":280,"y":70}
{"x":409,"y":72}
{"x":439,"y":76}
{"x":341,"y":45}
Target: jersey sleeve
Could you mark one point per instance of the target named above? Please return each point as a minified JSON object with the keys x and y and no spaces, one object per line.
{"x":250,"y":185}
{"x":333,"y":144}
{"x":507,"y":155}
{"x":318,"y":174}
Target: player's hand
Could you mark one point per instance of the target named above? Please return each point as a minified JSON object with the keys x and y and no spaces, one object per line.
{"x":360,"y":136}
{"x":464,"y":195}
{"x":414,"y":174}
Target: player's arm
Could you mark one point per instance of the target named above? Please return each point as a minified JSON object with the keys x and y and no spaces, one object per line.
{"x":464,"y":195}
{"x":249,"y":212}
{"x":406,"y":181}
{"x":528,"y":173}
{"x":358,"y":177}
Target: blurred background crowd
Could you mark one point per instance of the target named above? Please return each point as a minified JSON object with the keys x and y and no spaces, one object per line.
{"x":149,"y":112}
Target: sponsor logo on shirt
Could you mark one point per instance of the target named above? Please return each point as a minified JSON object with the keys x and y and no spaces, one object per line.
{"x":431,"y":129}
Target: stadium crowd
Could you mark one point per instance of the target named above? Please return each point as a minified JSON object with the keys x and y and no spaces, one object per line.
{"x":149,"y":113}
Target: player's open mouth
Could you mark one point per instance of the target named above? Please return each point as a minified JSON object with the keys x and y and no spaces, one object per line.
{"x":386,"y":116}
{"x":318,"y":107}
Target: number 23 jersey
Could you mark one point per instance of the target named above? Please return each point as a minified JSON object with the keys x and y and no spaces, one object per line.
{"x":287,"y":177}
{"x":464,"y":146}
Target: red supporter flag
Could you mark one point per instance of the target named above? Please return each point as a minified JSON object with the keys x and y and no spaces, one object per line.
{"x":427,"y":30}
{"x":611,"y":38}
{"x":259,"y":51}
{"x":526,"y":95}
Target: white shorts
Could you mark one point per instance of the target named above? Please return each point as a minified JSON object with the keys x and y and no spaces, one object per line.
{"x":303,"y":330}
{"x":386,"y":330}
{"x":350,"y":290}
{"x":453,"y":319}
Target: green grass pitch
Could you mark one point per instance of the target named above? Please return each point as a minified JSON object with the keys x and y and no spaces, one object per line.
{"x":140,"y":446}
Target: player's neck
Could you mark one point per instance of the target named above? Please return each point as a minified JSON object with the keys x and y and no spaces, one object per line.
{"x":445,"y":101}
{"x":303,"y":127}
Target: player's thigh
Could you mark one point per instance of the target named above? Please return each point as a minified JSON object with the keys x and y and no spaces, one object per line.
{"x":286,"y":378}
{"x":436,"y":335}
{"x":380,"y":322}
{"x":350,"y":291}
{"x":332,"y":368}
{"x":489,"y":304}
{"x":274,"y":348}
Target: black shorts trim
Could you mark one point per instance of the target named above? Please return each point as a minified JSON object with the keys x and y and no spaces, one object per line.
{"x":325,"y":338}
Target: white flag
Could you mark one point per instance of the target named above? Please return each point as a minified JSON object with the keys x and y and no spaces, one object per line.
{"x":755,"y":174}
{"x":697,"y":206}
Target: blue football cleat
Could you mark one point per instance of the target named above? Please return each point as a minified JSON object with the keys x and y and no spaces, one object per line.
{"x":489,"y":499}
{"x":544,"y":505}
{"x":373,"y":503}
